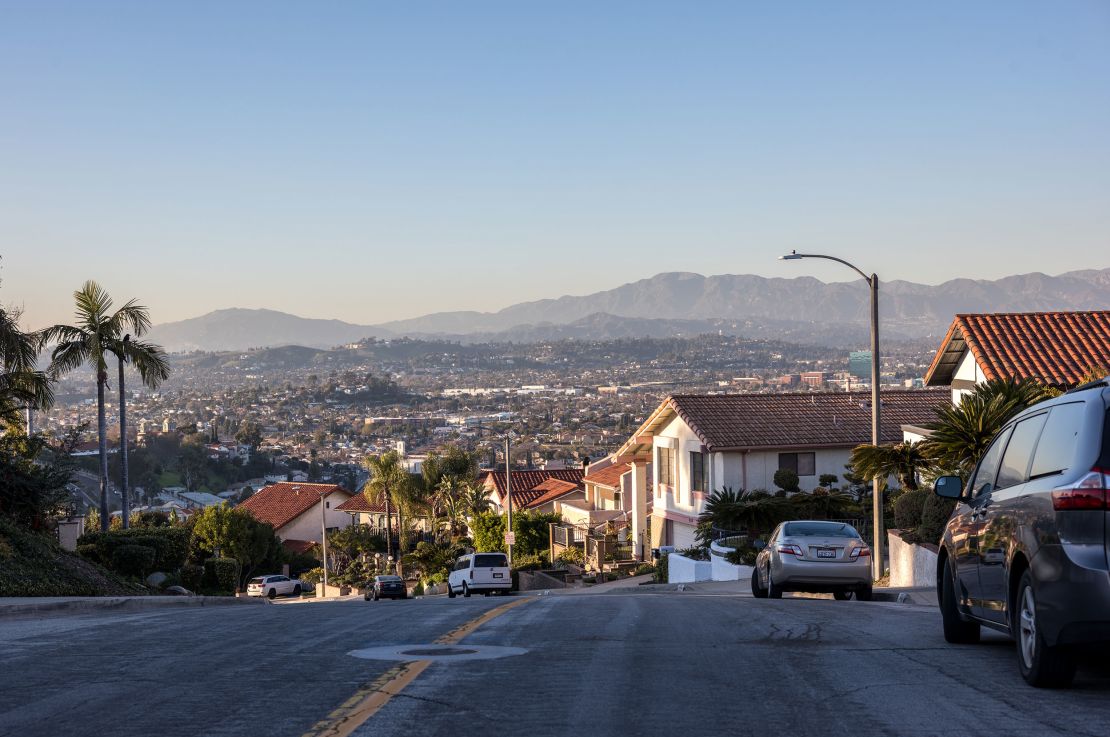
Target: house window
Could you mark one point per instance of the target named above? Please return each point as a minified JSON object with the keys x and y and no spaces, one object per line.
{"x":327,"y":505}
{"x":803,"y":464}
{"x":617,"y":501}
{"x":697,"y":471}
{"x":666,"y":465}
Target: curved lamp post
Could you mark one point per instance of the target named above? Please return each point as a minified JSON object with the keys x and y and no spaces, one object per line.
{"x":876,"y":494}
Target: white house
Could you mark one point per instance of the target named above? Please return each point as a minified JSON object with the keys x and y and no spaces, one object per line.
{"x":300,"y":511}
{"x":695,"y":444}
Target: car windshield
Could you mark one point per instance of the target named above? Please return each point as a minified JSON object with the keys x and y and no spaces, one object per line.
{"x":389,"y":579}
{"x":490,"y":561}
{"x":819,"y":529}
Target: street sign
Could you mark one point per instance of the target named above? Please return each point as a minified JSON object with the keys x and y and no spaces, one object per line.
{"x":510,"y":538}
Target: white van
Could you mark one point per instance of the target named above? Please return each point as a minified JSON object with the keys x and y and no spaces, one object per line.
{"x":480,"y":573}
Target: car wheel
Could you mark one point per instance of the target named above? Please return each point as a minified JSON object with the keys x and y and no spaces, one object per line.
{"x":272,"y":593}
{"x":956,"y":629}
{"x":466,"y":590}
{"x":773,"y":591}
{"x":450,"y":592}
{"x":375,"y":596}
{"x":865,"y":593}
{"x":297,"y":590}
{"x":757,"y":591}
{"x":1041,"y":666}
{"x":842,"y":595}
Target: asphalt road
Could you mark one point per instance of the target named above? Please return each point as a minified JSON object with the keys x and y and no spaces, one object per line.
{"x":606,"y":664}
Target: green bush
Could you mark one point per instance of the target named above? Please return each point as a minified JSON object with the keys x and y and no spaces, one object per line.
{"x":530,"y":528}
{"x":313,"y":575}
{"x":694,"y":553}
{"x":530,"y":562}
{"x":661,"y":567}
{"x":489,"y":532}
{"x":170,"y":545}
{"x":192,"y":577}
{"x":132,"y":560}
{"x":909,"y":507}
{"x":222,"y":574}
{"x":574,"y":556}
{"x":644,"y":569}
{"x":742,"y":556}
{"x":786,"y":479}
{"x":934,"y":517}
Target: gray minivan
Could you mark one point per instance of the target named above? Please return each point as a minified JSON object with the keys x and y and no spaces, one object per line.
{"x":1025,"y":551}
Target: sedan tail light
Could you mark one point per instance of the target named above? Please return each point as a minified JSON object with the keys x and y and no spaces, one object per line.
{"x":791,"y":550}
{"x":864,"y":552}
{"x":1088,"y":492}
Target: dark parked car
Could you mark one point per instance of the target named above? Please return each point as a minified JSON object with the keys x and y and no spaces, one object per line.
{"x":386,"y":587}
{"x":1026,"y":549}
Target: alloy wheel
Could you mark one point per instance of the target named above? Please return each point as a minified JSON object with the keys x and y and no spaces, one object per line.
{"x":1027,"y":626}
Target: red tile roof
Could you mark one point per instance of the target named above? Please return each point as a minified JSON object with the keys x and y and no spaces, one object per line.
{"x":1057,"y":348}
{"x":804,"y":419}
{"x":359,"y":503}
{"x":609,"y":476}
{"x":548,"y":491}
{"x":280,"y":504}
{"x":298,"y":547}
{"x":524,"y":480}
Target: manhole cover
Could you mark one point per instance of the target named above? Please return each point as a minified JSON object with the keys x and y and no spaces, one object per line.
{"x":439,"y":651}
{"x":445,"y":653}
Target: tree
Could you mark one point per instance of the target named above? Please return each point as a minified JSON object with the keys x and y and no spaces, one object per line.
{"x":904,"y":461}
{"x":475,"y":499}
{"x":347,"y":544}
{"x":192,"y":462}
{"x":389,"y":485}
{"x":89,"y":341}
{"x":30,"y":491}
{"x":22,"y":385}
{"x":150,"y":361}
{"x":963,"y":431}
{"x":786,"y":479}
{"x":249,"y":434}
{"x":231,"y":532}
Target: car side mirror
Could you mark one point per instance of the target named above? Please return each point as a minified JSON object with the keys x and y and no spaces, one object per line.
{"x":949,"y":487}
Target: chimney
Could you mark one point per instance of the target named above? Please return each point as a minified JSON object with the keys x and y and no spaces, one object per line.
{"x":585,"y":464}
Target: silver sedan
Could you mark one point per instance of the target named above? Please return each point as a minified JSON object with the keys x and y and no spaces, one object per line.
{"x":814,"y":556}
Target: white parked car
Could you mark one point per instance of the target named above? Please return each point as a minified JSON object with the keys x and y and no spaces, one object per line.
{"x":272,"y":586}
{"x":480,"y":573}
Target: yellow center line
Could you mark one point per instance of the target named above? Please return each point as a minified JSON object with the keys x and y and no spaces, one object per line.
{"x":368,"y":700}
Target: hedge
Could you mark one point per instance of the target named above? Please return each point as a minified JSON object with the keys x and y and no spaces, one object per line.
{"x":170,"y":545}
{"x":909,"y":507}
{"x":222,"y":574}
{"x":192,"y":577}
{"x":133,"y":560}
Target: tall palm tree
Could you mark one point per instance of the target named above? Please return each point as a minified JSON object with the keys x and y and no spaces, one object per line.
{"x":904,"y":461}
{"x":150,"y":360}
{"x":97,"y":333}
{"x":388,"y":484}
{"x":962,"y":432}
{"x":475,"y":499}
{"x":22,"y":386}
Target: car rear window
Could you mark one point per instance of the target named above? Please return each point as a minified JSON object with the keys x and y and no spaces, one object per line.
{"x":819,"y":529}
{"x":257,"y":580}
{"x":490,"y":561}
{"x":1015,"y":461}
{"x":389,"y":579}
{"x":1056,"y":448}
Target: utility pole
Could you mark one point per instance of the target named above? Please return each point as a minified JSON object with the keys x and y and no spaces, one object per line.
{"x":124,"y":491}
{"x":509,"y":498}
{"x":876,"y":483}
{"x":324,"y":539}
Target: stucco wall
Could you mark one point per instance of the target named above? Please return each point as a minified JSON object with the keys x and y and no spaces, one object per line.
{"x":307,"y":525}
{"x":911,"y":565}
{"x":681,"y":569}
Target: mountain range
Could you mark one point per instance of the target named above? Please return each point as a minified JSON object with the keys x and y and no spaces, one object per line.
{"x":802,"y":310}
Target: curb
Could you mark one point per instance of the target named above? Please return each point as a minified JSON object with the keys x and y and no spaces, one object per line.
{"x":918,"y":597}
{"x":30,"y":608}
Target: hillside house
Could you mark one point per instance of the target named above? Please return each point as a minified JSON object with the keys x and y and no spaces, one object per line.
{"x":293,"y":509}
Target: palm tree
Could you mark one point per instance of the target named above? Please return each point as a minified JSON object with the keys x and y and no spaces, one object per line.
{"x":22,"y":385}
{"x":904,"y":461}
{"x":963,"y":431}
{"x":150,"y":360}
{"x":388,"y":484}
{"x":475,"y":499}
{"x":99,"y":331}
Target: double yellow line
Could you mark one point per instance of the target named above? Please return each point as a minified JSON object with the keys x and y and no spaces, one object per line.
{"x":368,"y":700}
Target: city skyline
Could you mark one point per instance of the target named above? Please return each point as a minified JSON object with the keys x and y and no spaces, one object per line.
{"x":374,"y":163}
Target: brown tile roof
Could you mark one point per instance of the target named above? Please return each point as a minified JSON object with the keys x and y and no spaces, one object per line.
{"x":298,"y":546}
{"x":359,"y":503}
{"x":280,"y":504}
{"x":609,"y":476}
{"x":1057,"y":348}
{"x":548,"y":491}
{"x":524,"y":480}
{"x":804,"y":419}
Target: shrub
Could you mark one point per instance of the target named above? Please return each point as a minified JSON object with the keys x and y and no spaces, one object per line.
{"x":132,"y":560}
{"x":530,"y":562}
{"x":574,"y":556}
{"x":222,"y":574}
{"x":934,"y":517}
{"x":170,"y":545}
{"x":192,"y":576}
{"x":418,"y":589}
{"x":742,"y":556}
{"x":644,"y":569}
{"x":661,"y":567}
{"x":312,"y":576}
{"x":786,"y":479}
{"x":827,"y":480}
{"x":909,"y":507}
{"x":694,"y":553}
{"x":489,"y":532}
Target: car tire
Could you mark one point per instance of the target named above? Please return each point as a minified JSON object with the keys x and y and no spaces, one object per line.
{"x":1041,"y":665}
{"x":773,"y":591}
{"x":297,"y":590}
{"x":450,"y":592}
{"x":957,"y":630}
{"x":376,"y":596}
{"x":271,"y":594}
{"x":466,"y":590}
{"x":842,"y":595}
{"x":865,"y":593}
{"x":757,"y":591}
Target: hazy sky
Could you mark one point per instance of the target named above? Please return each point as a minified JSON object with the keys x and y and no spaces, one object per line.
{"x":373,"y":160}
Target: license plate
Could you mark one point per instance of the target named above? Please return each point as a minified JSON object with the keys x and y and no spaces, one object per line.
{"x":499,"y":575}
{"x":826,"y":553}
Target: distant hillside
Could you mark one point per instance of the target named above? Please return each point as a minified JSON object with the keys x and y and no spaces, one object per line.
{"x":239,"y":329}
{"x":802,"y":310}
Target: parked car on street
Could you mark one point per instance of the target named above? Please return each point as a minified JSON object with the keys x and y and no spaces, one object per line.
{"x":276,"y":585}
{"x":1026,"y":549}
{"x":386,"y":587}
{"x":480,"y":573}
{"x":813,"y":555}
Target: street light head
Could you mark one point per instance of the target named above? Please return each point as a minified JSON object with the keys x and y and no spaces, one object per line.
{"x":792,"y":256}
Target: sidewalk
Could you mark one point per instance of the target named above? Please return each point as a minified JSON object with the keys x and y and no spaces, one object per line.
{"x":37,"y":606}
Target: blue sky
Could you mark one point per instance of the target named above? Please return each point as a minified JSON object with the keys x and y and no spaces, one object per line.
{"x":371,"y":161}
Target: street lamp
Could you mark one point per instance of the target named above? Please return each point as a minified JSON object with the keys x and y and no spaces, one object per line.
{"x":876,"y":495}
{"x":324,"y":539}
